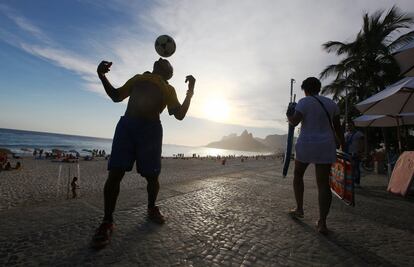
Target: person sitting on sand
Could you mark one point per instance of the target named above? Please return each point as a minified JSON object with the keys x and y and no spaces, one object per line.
{"x":18,"y":166}
{"x":138,"y":135}
{"x":7,"y":166}
{"x":315,"y":144}
{"x":74,"y":186}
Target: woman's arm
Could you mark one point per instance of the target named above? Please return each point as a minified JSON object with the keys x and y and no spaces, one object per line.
{"x":295,"y":119}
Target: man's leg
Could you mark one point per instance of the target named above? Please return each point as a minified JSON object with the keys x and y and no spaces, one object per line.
{"x":324,"y":194}
{"x":111,"y":192}
{"x":153,"y":187}
{"x":298,"y":186}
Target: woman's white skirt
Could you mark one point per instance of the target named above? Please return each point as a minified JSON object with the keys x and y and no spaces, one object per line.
{"x":323,"y":152}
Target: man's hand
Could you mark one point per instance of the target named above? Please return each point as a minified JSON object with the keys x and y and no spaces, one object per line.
{"x":191,"y":82}
{"x":103,"y":68}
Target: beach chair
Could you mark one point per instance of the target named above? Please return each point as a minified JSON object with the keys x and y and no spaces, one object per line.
{"x":402,"y":175}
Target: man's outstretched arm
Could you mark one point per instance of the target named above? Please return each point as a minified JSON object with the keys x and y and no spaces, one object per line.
{"x":182,"y":110}
{"x":113,"y":93}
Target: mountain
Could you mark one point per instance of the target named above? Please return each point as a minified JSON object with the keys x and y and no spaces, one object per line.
{"x":275,"y":142}
{"x":245,"y":142}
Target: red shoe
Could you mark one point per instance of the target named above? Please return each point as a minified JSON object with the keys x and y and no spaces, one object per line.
{"x":102,"y":235}
{"x":155,"y":215}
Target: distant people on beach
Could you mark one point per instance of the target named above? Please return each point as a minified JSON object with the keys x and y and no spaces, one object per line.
{"x":69,"y":158}
{"x":354,"y":145}
{"x":37,"y":153}
{"x":138,"y":136}
{"x":18,"y":166}
{"x":316,"y":144}
{"x":7,"y":166}
{"x":74,"y":186}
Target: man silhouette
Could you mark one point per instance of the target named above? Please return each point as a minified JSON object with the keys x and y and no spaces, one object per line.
{"x":138,"y":135}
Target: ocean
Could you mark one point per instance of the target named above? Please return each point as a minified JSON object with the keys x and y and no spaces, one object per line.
{"x":23,"y":142}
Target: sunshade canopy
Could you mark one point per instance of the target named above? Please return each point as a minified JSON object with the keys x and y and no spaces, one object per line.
{"x":384,"y":120}
{"x":405,"y":59}
{"x":394,"y":99}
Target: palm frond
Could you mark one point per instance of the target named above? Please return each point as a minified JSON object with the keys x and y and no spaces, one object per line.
{"x":401,"y":41}
{"x":333,"y":46}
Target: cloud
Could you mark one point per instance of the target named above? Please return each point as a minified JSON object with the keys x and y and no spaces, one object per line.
{"x":25,"y":24}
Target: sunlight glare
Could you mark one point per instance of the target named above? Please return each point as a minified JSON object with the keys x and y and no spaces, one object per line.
{"x":216,"y":109}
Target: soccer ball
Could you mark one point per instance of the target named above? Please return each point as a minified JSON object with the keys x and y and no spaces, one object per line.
{"x":165,"y":45}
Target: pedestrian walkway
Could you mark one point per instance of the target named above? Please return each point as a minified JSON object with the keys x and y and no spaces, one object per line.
{"x":239,"y":219}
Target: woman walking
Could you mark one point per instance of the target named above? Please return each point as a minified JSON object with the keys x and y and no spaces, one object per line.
{"x":316,"y":144}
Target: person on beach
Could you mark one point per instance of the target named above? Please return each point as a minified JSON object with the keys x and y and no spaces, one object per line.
{"x":316,"y":144}
{"x":7,"y":166}
{"x":74,"y":185}
{"x":138,"y":135}
{"x":354,"y":145}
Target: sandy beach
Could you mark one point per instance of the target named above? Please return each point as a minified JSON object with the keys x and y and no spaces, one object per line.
{"x":38,"y":181}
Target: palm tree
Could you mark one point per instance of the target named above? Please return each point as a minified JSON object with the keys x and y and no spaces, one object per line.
{"x":367,"y":66}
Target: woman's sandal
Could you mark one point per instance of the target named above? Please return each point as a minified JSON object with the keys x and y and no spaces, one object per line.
{"x":294,"y":213}
{"x":322,"y":229}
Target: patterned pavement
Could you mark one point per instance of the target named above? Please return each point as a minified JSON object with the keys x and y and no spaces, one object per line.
{"x":238,"y":219}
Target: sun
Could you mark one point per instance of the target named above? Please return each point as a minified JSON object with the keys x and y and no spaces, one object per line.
{"x":216,"y":109}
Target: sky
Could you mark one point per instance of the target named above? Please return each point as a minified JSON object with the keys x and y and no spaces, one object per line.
{"x":242,"y":53}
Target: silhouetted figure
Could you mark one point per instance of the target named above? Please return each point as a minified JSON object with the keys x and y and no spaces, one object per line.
{"x":138,"y":135}
{"x":18,"y":166}
{"x":74,"y":186}
{"x":316,"y":144}
{"x":7,"y":166}
{"x":354,"y":145}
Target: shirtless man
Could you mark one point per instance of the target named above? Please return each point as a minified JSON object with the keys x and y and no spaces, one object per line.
{"x":138,"y":135}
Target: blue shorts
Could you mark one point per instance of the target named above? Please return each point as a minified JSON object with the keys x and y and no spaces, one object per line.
{"x":137,"y":140}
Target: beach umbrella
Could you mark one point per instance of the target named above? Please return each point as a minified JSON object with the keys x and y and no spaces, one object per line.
{"x":394,"y":99}
{"x":384,"y":120}
{"x":405,"y":59}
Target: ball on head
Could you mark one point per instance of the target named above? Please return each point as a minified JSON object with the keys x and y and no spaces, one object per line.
{"x":165,"y":45}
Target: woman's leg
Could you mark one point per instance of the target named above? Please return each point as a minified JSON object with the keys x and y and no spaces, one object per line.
{"x":325,"y":195}
{"x":298,"y":186}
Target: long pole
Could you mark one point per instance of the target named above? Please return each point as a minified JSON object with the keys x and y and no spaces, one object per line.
{"x":289,"y":141}
{"x":387,"y":152}
{"x":58,"y":181}
{"x":68,"y":183}
{"x":346,"y":107}
{"x":399,"y":135}
{"x":78,"y":178}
